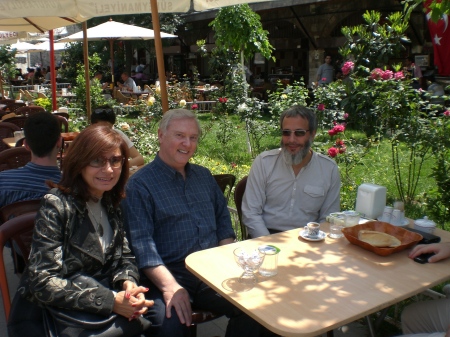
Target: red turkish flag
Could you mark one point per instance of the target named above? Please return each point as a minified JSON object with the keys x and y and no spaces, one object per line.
{"x":440,"y":36}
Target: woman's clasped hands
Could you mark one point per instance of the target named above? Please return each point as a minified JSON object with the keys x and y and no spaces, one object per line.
{"x":131,"y":302}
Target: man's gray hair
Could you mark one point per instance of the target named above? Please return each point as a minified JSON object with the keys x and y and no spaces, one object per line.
{"x":178,"y":114}
{"x":301,"y":111}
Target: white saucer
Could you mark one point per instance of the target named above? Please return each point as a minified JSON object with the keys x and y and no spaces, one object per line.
{"x":304,"y":234}
{"x":404,"y":223}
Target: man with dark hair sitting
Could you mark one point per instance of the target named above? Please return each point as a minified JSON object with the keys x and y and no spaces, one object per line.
{"x":104,"y":114}
{"x":43,"y":139}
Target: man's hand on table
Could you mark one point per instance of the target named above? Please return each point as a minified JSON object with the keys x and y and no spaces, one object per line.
{"x":441,"y":251}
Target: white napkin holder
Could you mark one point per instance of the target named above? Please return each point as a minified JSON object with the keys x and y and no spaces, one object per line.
{"x":371,"y":200}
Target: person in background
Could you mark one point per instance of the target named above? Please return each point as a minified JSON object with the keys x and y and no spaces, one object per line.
{"x":415,"y":73}
{"x":128,"y":82}
{"x":325,"y":73}
{"x":38,"y":75}
{"x":428,"y":318}
{"x":43,"y":139}
{"x":292,"y":185}
{"x":106,"y":115}
{"x":97,"y":80}
{"x":174,"y":208}
{"x":80,"y":258}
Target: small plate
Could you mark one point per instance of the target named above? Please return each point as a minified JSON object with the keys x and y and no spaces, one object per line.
{"x":404,"y":223}
{"x":304,"y":234}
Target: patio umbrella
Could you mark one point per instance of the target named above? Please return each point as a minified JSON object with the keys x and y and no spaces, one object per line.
{"x":46,"y":14}
{"x":121,"y":7}
{"x":45,"y":45}
{"x":25,"y":47}
{"x":112,"y":31}
{"x":41,"y":16}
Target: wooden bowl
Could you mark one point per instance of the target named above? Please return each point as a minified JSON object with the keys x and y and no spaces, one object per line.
{"x":407,"y":238}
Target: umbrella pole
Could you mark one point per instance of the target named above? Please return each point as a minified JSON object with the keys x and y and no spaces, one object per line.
{"x":52,"y":72}
{"x":1,"y":85}
{"x":111,"y":55}
{"x":86,"y":72}
{"x":159,"y":55}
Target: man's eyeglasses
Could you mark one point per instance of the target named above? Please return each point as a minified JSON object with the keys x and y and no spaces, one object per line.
{"x":297,"y":133}
{"x":115,"y":162}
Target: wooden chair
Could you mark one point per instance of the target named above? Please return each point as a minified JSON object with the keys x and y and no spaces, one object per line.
{"x":121,"y":98}
{"x":29,"y":110}
{"x":62,"y":114}
{"x":12,"y":107}
{"x":17,"y":230}
{"x":225,"y":181}
{"x":149,"y":90}
{"x":18,"y":120}
{"x":26,"y":95}
{"x":63,"y":123}
{"x":42,"y":95}
{"x":6,"y":131}
{"x":14,"y":158}
{"x":238,"y":195}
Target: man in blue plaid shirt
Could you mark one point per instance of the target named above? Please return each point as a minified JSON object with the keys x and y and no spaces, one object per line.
{"x":174,"y":208}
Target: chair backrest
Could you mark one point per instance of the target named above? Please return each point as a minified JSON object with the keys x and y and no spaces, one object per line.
{"x":121,"y":98}
{"x":62,"y":114}
{"x":14,"y":230}
{"x":63,"y":123}
{"x":18,"y":208}
{"x":29,"y":110}
{"x":238,"y":195}
{"x":12,"y":107}
{"x":6,"y":131}
{"x":14,"y":158}
{"x":19,"y":121}
{"x":224,"y":181}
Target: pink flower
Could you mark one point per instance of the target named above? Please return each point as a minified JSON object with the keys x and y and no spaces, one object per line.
{"x":340,"y":142}
{"x":399,"y":75}
{"x":376,"y":74}
{"x":321,"y":107}
{"x":347,"y":68}
{"x":223,"y":99}
{"x":387,"y":75}
{"x":334,"y":122}
{"x":194,"y":107}
{"x":332,"y":152}
{"x":346,"y":115}
{"x":233,"y":165}
{"x":324,"y":79}
{"x":447,"y":113}
{"x":342,"y":149}
{"x":332,"y":132}
{"x":339,"y":128}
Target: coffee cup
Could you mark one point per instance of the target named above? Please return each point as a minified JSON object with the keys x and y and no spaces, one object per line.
{"x":312,"y":229}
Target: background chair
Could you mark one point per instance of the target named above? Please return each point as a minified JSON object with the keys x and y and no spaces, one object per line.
{"x":6,"y":131}
{"x":13,"y":210}
{"x":14,"y":230}
{"x":19,"y":121}
{"x":121,"y":98}
{"x":14,"y":158}
{"x":63,"y":123}
{"x":238,"y":195}
{"x":29,"y":110}
{"x":225,"y":181}
{"x":12,"y":107}
{"x":62,"y":114}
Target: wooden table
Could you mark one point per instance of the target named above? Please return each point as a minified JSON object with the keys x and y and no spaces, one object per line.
{"x":321,"y":285}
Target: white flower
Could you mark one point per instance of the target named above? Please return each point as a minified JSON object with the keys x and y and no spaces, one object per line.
{"x":182,"y":103}
{"x":283,"y":96}
{"x":125,"y":127}
{"x":242,"y":107}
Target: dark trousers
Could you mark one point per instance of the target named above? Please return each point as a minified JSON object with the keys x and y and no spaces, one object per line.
{"x":202,"y":297}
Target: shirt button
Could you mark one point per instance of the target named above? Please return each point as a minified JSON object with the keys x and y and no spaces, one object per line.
{"x":98,"y":301}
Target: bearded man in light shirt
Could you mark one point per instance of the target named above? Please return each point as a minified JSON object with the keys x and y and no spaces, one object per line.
{"x":293,"y":185}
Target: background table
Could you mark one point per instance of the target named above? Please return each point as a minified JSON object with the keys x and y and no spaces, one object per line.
{"x":320,"y":285}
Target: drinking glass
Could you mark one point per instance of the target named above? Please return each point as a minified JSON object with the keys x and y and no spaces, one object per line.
{"x":249,"y":262}
{"x":337,"y":222}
